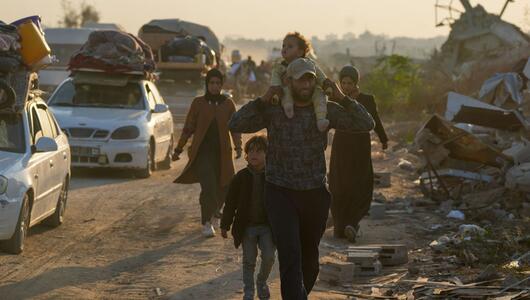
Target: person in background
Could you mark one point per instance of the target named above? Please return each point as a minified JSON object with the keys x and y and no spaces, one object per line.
{"x":351,"y":175}
{"x":245,"y":212}
{"x":210,"y":154}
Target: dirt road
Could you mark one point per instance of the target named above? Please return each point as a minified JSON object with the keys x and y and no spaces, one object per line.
{"x":127,"y":238}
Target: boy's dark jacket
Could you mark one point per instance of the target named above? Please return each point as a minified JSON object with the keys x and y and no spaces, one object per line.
{"x":236,"y":211}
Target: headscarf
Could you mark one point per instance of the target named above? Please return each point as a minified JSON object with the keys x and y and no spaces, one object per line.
{"x":211,"y":98}
{"x":351,"y":72}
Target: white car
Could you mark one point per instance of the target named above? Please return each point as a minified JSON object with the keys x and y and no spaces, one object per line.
{"x":117,"y":121}
{"x":34,"y":172}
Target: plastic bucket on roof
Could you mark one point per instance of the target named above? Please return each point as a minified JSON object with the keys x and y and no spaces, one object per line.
{"x":35,"y":19}
{"x":34,"y":48}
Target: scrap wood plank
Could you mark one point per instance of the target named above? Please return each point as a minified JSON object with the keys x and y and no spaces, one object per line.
{"x":363,"y":296}
{"x":391,"y":278}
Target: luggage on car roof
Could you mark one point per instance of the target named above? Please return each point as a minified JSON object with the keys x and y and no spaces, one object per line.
{"x":114,"y":52}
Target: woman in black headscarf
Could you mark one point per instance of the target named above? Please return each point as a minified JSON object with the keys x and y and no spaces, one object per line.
{"x":351,"y":177}
{"x":210,"y":154}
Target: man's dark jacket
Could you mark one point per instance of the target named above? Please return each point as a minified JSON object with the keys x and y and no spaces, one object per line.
{"x":237,"y":204}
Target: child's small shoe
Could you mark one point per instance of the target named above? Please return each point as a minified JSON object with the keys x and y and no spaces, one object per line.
{"x":323,"y":125}
{"x":289,"y":111}
{"x":263,"y":292}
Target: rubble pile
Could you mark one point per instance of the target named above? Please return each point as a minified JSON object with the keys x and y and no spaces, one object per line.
{"x":476,"y":169}
{"x":478,"y":153}
{"x":114,"y":52}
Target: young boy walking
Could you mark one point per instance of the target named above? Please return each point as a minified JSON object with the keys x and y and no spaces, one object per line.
{"x":245,"y":212}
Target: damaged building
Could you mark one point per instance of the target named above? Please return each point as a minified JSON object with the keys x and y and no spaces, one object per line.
{"x":479,"y":45}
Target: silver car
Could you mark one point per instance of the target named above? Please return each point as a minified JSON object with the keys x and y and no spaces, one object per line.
{"x":119,"y":122}
{"x":34,"y":172}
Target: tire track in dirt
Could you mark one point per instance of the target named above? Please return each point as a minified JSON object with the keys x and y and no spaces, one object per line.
{"x":138,"y":192}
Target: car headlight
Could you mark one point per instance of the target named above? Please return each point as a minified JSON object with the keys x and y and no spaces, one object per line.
{"x":126,"y":133}
{"x":3,"y":185}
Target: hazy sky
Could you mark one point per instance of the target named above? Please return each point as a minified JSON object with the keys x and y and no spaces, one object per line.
{"x":272,"y":18}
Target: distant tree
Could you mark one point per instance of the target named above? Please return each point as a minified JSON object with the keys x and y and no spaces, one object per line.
{"x":349,"y":36}
{"x":394,"y":81}
{"x":73,"y":18}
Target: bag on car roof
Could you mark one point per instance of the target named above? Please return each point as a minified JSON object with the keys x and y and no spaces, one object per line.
{"x":112,"y":50}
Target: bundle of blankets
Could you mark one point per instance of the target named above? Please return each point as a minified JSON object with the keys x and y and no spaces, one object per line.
{"x":10,"y":61}
{"x":10,"y":58}
{"x":185,"y":49}
{"x":114,"y":52}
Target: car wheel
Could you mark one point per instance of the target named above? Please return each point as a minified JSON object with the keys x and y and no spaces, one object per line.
{"x":148,"y":170}
{"x":58,"y":216}
{"x":166,"y":163}
{"x":15,"y":244}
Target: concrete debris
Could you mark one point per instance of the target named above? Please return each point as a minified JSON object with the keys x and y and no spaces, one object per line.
{"x":382,"y":179}
{"x":377,"y":211}
{"x":468,"y":231}
{"x":519,"y":151}
{"x":477,"y":158}
{"x":460,"y":144}
{"x":441,"y":243}
{"x":456,"y":214}
{"x":481,"y":44}
{"x":388,"y":254}
{"x":518,"y":177}
{"x":466,"y":110}
{"x":406,"y":165}
{"x":526,"y":70}
{"x":520,"y":262}
{"x":502,"y":88}
{"x":335,"y":271}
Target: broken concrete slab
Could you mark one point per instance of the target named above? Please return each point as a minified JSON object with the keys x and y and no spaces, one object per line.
{"x":335,"y":271}
{"x":377,"y":211}
{"x":368,"y":270}
{"x":464,"y":109}
{"x":519,"y":151}
{"x":518,"y":177}
{"x":362,"y":257}
{"x":502,"y":87}
{"x":463,"y":145}
{"x":387,"y":254}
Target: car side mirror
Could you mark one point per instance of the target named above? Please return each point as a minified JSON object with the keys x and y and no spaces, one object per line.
{"x":160,"y":108}
{"x":45,"y":144}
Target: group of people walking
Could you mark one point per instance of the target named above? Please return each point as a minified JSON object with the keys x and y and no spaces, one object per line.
{"x":280,"y":201}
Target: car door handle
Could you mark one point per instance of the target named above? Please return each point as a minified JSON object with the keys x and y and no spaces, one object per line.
{"x":36,"y":176}
{"x":51,"y":163}
{"x":64,"y":155}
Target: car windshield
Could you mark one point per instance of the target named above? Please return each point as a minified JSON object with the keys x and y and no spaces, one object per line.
{"x":93,"y":95}
{"x":11,"y":133}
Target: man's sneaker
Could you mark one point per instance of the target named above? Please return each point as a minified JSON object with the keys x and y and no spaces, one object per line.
{"x":351,"y":233}
{"x":263,"y":292}
{"x":207,"y":230}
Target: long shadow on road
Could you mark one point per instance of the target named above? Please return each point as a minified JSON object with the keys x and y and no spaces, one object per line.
{"x":72,"y":276}
{"x":208,"y":290}
{"x":85,"y":178}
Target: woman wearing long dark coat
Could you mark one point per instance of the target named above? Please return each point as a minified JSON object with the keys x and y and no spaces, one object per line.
{"x":210,"y":154}
{"x":351,"y":177}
